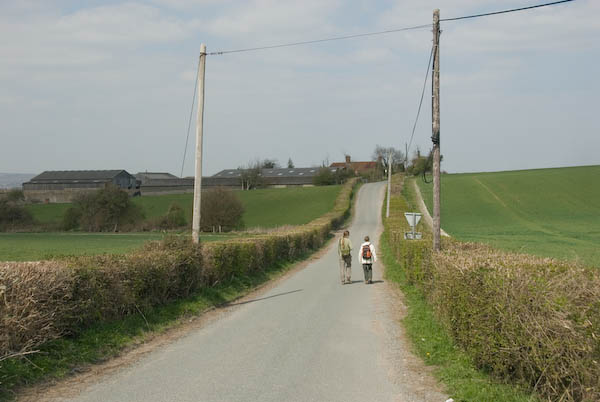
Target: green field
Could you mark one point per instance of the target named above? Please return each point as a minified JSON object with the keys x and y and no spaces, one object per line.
{"x":41,"y":246}
{"x":547,"y":212}
{"x":265,"y":208}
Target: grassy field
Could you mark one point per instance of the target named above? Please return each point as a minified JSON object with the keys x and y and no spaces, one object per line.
{"x":40,"y":246}
{"x":266,"y":208}
{"x":547,"y":212}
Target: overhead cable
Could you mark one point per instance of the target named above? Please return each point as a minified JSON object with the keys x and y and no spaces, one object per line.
{"x":512,"y":10}
{"x":420,"y":104}
{"x":190,"y":119}
{"x":389,"y":31}
{"x":307,"y":42}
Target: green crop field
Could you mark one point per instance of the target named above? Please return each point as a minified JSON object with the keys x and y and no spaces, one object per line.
{"x":40,"y":246}
{"x":265,"y":208}
{"x":548,"y":212}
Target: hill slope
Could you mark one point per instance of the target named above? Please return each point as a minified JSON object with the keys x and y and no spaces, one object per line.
{"x":549,"y":212}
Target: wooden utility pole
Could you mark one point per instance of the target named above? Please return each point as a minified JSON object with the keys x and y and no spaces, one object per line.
{"x":387,"y":211}
{"x":436,"y":130}
{"x":199,"y":127}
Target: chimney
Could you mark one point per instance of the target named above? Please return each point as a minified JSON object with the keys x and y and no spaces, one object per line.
{"x":347,"y":158}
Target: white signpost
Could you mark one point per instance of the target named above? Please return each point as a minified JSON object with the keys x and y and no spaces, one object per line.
{"x":413,"y":219}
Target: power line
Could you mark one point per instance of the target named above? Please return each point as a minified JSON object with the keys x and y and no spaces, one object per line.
{"x":420,"y":104}
{"x":307,"y":42}
{"x":190,"y":120}
{"x":512,"y":10}
{"x":389,"y":31}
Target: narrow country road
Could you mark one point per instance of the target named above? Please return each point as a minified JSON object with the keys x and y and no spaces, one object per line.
{"x":307,"y":339}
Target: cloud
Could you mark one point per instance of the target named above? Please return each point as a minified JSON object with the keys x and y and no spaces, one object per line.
{"x":273,"y":20}
{"x":87,"y":36}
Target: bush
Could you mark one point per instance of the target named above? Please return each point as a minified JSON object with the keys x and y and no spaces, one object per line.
{"x":175,"y":218}
{"x":103,"y":210}
{"x":326,"y":177}
{"x":531,"y":320}
{"x":13,"y":214}
{"x":221,"y":208}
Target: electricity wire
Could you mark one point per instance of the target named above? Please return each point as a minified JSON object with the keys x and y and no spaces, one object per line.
{"x":389,"y":31}
{"x":308,"y":42}
{"x":420,"y":104}
{"x":512,"y":10}
{"x":190,"y":119}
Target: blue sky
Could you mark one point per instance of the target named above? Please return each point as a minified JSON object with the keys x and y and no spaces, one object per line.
{"x":108,"y":84}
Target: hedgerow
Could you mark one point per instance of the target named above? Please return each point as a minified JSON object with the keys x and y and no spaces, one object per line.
{"x":46,"y":300}
{"x":531,"y":320}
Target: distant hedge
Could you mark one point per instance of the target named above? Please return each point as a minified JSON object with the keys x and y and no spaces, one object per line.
{"x":531,"y":320}
{"x":46,"y":300}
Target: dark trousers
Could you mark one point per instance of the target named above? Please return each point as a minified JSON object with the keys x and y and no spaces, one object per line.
{"x":368,"y":270}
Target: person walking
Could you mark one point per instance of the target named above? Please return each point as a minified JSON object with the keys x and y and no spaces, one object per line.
{"x":367,"y":256}
{"x":345,"y":254}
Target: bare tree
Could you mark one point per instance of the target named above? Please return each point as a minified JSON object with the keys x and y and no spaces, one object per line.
{"x":251,"y":175}
{"x":387,"y":155}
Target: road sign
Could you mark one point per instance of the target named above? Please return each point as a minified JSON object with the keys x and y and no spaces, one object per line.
{"x":413,"y":219}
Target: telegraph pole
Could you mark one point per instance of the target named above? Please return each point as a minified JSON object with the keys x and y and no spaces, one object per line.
{"x":435,"y":138}
{"x":199,"y":127}
{"x":387,"y":212}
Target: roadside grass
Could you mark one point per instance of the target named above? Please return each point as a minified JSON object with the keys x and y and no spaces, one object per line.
{"x":547,"y":212}
{"x":44,"y":246}
{"x":60,"y":358}
{"x":433,"y":344}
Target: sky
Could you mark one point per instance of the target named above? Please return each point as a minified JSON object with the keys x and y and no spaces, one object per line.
{"x":109,"y":84}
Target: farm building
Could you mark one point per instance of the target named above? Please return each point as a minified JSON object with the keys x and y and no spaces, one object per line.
{"x":276,"y":177}
{"x":64,"y":185}
{"x":357,"y":167}
{"x":164,"y":183}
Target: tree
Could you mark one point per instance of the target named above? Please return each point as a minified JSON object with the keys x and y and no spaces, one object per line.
{"x":12,"y":212}
{"x":221,"y":209}
{"x":387,"y":156}
{"x":270,"y":164}
{"x":420,"y":163}
{"x":250,"y":175}
{"x":102,"y":210}
{"x":290,"y":164}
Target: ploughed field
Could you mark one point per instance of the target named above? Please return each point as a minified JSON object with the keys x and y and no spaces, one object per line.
{"x":547,"y":212}
{"x":265,"y":208}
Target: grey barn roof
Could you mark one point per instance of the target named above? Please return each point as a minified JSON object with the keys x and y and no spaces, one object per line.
{"x":76,"y":175}
{"x":287,"y":172}
{"x":155,"y":176}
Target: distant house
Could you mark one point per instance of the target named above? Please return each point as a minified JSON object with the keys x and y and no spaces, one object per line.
{"x":64,"y":185}
{"x":276,"y":177}
{"x":357,"y":167}
{"x":164,"y":183}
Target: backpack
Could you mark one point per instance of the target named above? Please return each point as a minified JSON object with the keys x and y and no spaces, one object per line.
{"x":366,"y":252}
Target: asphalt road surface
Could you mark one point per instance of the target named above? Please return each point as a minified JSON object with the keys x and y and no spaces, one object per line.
{"x":307,"y":339}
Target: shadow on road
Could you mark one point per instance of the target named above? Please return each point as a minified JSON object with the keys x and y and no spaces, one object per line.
{"x":262,"y":298}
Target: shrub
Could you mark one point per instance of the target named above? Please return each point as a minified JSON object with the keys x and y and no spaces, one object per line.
{"x":532,"y":320}
{"x":12,"y":214}
{"x":221,"y":208}
{"x":103,"y":210}
{"x":175,"y":217}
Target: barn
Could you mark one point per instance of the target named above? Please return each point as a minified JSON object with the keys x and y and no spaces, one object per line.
{"x":63,"y":185}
